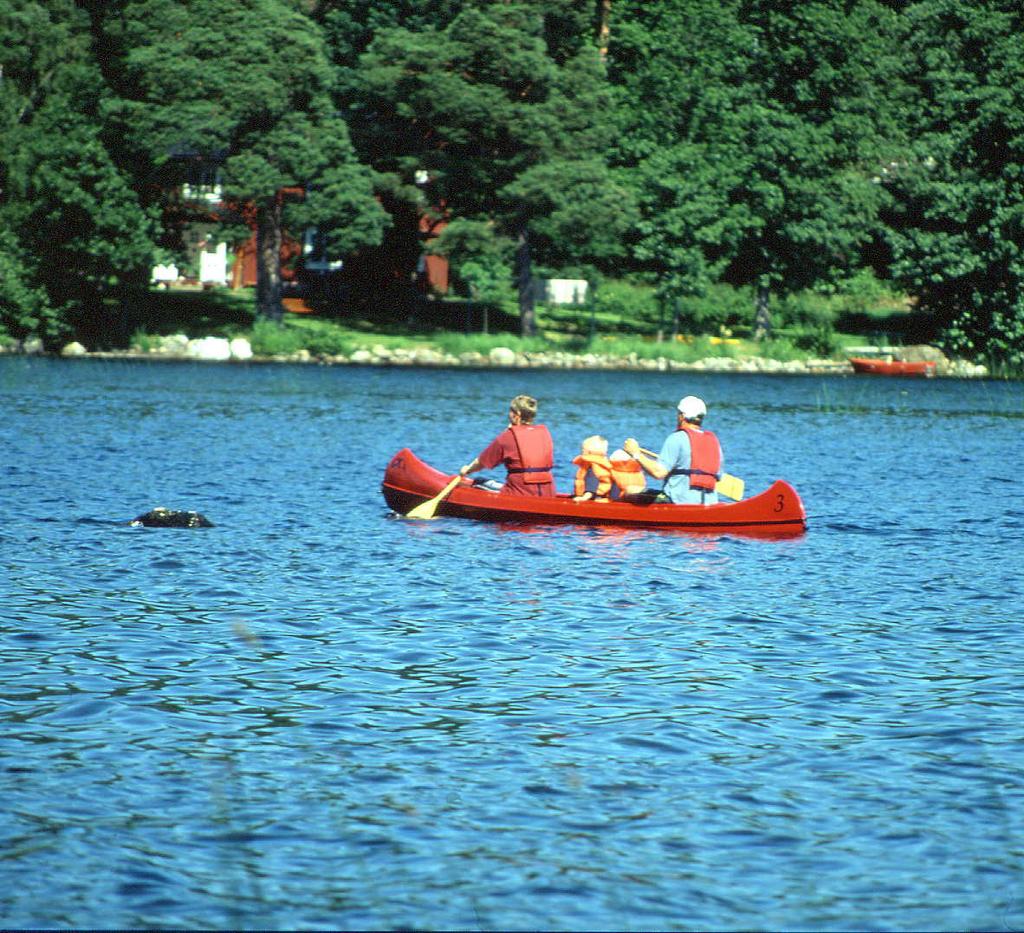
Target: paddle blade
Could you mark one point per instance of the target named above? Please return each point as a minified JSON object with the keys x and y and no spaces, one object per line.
{"x":730,"y":486}
{"x":428,"y":509}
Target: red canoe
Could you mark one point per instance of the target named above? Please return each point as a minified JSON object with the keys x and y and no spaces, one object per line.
{"x":775,"y":513}
{"x":874,"y":367}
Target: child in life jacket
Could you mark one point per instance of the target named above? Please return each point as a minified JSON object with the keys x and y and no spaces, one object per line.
{"x":593,"y":470}
{"x":627,"y":475}
{"x":602,"y":478}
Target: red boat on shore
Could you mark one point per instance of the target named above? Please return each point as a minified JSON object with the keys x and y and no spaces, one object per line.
{"x":775,"y":513}
{"x":879,"y":367}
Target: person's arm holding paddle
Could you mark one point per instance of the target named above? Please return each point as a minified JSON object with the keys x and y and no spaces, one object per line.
{"x":690,"y":461}
{"x":651,"y":465}
{"x":526,"y":450}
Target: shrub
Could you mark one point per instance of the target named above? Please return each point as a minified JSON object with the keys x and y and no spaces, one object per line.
{"x":25,"y":308}
{"x":720,"y":309}
{"x":807,"y":310}
{"x":780,"y":348}
{"x":628,"y":301}
{"x":144,"y":341}
{"x":323,"y":338}
{"x":864,"y":293}
{"x":271,"y":339}
{"x":821,"y":341}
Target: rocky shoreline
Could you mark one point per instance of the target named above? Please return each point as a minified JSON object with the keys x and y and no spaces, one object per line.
{"x":239,"y":350}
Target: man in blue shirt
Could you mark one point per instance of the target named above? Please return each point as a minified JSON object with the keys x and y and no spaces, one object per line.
{"x":691,"y":459}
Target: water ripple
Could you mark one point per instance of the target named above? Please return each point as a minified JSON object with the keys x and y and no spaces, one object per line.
{"x":313,"y":716}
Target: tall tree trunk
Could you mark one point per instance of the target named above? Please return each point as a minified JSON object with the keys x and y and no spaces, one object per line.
{"x":268,"y":260}
{"x":604,"y":29}
{"x":762,"y":311}
{"x":524,"y":281}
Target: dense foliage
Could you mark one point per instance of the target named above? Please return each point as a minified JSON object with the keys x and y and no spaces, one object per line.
{"x":956,"y":228}
{"x":75,"y":231}
{"x":683,"y":146}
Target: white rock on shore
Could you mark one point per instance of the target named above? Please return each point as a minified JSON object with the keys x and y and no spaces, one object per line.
{"x":173,"y":344}
{"x":240,"y":349}
{"x":215,"y":349}
{"x":502,"y":356}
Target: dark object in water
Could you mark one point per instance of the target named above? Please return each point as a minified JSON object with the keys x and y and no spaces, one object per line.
{"x":170,"y":518}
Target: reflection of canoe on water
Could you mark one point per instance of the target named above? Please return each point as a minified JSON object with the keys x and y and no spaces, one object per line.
{"x":408,"y":482}
{"x":872,"y":367}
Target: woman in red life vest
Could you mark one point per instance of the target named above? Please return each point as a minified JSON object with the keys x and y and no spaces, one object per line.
{"x":690,"y":461}
{"x":525,"y":448}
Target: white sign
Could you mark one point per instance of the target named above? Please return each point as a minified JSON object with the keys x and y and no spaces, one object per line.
{"x":563,"y":291}
{"x":213,"y":267}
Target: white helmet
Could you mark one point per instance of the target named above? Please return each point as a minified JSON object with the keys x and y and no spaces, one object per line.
{"x":692,"y":408}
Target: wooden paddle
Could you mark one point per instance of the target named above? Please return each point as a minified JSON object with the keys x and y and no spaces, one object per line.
{"x":729,"y":486}
{"x":428,"y":509}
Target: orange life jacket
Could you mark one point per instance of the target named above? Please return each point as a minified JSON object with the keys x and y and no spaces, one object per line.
{"x":705,"y":459}
{"x":601,"y":467}
{"x":628,"y":476}
{"x":536,"y":453}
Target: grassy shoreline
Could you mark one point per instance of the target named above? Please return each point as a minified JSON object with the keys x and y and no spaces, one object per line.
{"x":229,"y":314}
{"x":395,"y":340}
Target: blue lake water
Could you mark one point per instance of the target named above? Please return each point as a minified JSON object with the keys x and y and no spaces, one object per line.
{"x":317,"y":715}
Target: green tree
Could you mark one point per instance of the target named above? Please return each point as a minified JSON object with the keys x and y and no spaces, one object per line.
{"x":78,"y":239}
{"x":351,"y":25}
{"x":767,"y":124}
{"x":957,"y":230}
{"x":479,"y":258}
{"x":501,"y":115}
{"x":248,"y":84}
